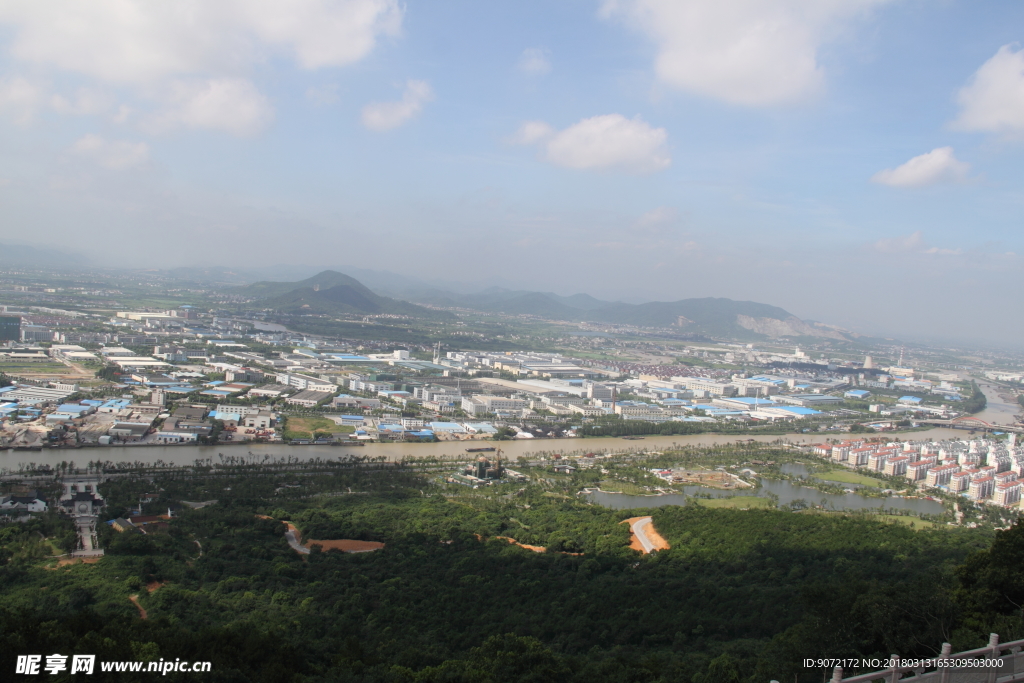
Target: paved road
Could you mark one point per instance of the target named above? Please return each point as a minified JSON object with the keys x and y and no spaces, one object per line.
{"x":293,"y":541}
{"x":640,"y":529}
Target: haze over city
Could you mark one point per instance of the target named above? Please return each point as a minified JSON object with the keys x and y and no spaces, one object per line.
{"x":855,"y":162}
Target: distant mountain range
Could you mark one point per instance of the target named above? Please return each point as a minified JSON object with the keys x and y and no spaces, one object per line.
{"x":334,"y":293}
{"x":22,"y":255}
{"x":707,"y":316}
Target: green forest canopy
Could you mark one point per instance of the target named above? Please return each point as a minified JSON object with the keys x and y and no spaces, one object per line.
{"x":740,"y":596}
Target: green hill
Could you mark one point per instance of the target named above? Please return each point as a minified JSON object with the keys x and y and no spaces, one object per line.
{"x":333,"y":293}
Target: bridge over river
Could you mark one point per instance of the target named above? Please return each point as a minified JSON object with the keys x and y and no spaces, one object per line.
{"x":974,"y":424}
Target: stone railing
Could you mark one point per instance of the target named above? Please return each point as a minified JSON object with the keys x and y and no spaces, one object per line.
{"x":995,"y":663}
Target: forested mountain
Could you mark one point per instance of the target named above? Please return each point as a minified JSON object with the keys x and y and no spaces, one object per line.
{"x":706,"y":316}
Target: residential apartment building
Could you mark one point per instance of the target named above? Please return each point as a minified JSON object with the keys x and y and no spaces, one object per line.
{"x":940,"y":476}
{"x":916,"y":471}
{"x":1007,"y":493}
{"x":896,"y":467}
{"x":960,"y":481}
{"x":981,"y":488}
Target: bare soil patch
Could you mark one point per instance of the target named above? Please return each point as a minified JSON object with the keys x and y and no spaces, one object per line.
{"x":65,"y":561}
{"x":346,"y":545}
{"x":534,"y":548}
{"x":135,"y":601}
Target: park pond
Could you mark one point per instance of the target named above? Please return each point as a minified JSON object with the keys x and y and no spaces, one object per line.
{"x":786,"y":491}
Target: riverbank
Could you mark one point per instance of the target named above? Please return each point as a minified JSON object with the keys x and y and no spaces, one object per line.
{"x":394,"y":452}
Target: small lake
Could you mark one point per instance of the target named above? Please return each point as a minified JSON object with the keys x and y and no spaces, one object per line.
{"x":786,"y":491}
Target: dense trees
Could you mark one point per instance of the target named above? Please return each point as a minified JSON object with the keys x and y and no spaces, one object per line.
{"x":976,"y":402}
{"x":741,"y":596}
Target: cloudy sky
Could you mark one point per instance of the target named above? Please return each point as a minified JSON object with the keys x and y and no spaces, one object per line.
{"x":857,"y":162}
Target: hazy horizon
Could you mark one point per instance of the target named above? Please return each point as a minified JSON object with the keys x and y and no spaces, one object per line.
{"x":854,"y":162}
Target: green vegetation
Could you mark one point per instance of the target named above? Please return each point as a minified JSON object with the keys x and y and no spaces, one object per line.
{"x":34,"y":368}
{"x":976,"y":402}
{"x":748,"y":592}
{"x":619,"y":486}
{"x":306,"y":427}
{"x":912,"y":522}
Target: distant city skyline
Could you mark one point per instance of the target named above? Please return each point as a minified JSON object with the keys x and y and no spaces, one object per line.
{"x":856,"y":162}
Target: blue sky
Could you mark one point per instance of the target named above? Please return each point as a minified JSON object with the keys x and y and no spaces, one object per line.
{"x":854,"y":161}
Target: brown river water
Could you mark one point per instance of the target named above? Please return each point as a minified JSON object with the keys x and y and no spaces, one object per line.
{"x":185,"y":455}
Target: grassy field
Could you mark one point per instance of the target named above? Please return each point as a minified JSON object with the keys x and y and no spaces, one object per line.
{"x":847,"y":477}
{"x":912,"y":522}
{"x":34,"y":368}
{"x":626,"y":487}
{"x":735,"y":502}
{"x":303,"y":427}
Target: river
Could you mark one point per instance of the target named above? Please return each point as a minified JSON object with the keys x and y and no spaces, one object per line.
{"x":998,"y":410}
{"x":185,"y":455}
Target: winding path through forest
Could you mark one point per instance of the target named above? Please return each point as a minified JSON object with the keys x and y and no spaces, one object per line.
{"x":142,"y":610}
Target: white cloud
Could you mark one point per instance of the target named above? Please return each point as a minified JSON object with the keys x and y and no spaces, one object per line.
{"x":532,"y":132}
{"x":912,"y":244}
{"x":19,"y":97}
{"x":610,"y":141}
{"x":232,"y":105}
{"x":534,"y":61}
{"x":139,"y":41}
{"x":902,"y":244}
{"x":192,"y":56}
{"x":993,"y":101}
{"x":86,"y":101}
{"x":381,"y":116}
{"x":747,"y":52}
{"x":323,"y":95}
{"x":656,"y":218}
{"x":937,"y":166}
{"x":116,"y":155}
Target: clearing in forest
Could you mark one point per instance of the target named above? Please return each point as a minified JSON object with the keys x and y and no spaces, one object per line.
{"x":347,"y":545}
{"x":637,"y":529}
